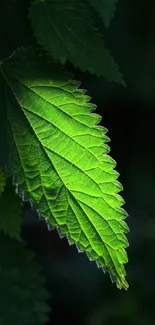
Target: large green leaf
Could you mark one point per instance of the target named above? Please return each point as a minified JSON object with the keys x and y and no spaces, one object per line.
{"x":59,"y":159}
{"x":105,"y":8}
{"x":66,"y":30}
{"x":23,"y":296}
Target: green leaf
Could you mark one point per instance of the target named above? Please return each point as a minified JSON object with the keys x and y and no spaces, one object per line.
{"x":23,"y":295}
{"x":106,"y":9}
{"x":59,"y":159}
{"x":3,"y":123}
{"x":2,"y":180}
{"x":66,"y":30}
{"x":11,"y":213}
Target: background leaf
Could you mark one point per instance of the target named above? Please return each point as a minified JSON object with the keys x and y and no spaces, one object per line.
{"x":66,"y":30}
{"x":105,"y":8}
{"x":22,"y":287}
{"x":2,"y":180}
{"x":3,"y":125}
{"x":10,"y":212}
{"x":59,"y":159}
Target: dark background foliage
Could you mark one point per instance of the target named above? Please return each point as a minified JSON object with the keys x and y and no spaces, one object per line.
{"x":81,"y":293}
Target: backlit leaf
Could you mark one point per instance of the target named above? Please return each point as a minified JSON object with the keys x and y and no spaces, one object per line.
{"x":59,"y":158}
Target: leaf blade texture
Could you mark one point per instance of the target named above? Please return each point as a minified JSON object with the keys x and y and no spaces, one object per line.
{"x":105,"y":8}
{"x":66,"y":30}
{"x":59,"y":158}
